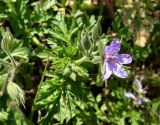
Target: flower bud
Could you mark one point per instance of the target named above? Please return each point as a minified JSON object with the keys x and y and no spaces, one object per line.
{"x":86,"y":41}
{"x":80,"y":46}
{"x":97,"y":30}
{"x":7,"y":43}
{"x":15,"y":93}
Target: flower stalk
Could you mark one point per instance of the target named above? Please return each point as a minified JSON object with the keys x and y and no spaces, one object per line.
{"x":83,"y":59}
{"x":12,"y":59}
{"x":39,"y":87}
{"x":13,"y":90}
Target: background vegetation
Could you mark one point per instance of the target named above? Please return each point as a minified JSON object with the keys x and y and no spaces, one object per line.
{"x":51,"y":62}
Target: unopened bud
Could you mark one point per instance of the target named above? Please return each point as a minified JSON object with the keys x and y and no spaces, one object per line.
{"x":15,"y":93}
{"x":80,"y":46}
{"x":86,"y":41}
{"x":97,"y":30}
{"x":7,"y":43}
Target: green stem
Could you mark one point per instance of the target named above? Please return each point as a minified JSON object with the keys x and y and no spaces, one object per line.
{"x":83,"y":59}
{"x":12,"y":74}
{"x":10,"y":78}
{"x":5,"y":62}
{"x":5,"y":83}
{"x":12,"y":59}
{"x":39,"y":87}
{"x":37,"y":42}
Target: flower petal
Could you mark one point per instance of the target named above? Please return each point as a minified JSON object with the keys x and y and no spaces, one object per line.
{"x":146,"y":99}
{"x":140,"y":101}
{"x":139,"y":85}
{"x":124,"y":58}
{"x":113,"y":48}
{"x":107,"y":70}
{"x":130,"y":95}
{"x":119,"y":71}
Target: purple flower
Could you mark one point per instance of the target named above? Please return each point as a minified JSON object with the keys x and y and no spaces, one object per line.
{"x":139,"y":98}
{"x":113,"y":61}
{"x":130,"y":95}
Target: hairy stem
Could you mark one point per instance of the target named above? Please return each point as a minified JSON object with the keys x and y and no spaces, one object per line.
{"x":10,"y":78}
{"x":5,"y":83}
{"x":12,"y":59}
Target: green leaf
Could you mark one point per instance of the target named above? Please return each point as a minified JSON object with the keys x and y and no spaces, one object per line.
{"x":73,"y":76}
{"x":59,"y":36}
{"x":4,"y":116}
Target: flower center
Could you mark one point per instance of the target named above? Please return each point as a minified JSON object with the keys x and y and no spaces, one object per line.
{"x":109,"y":58}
